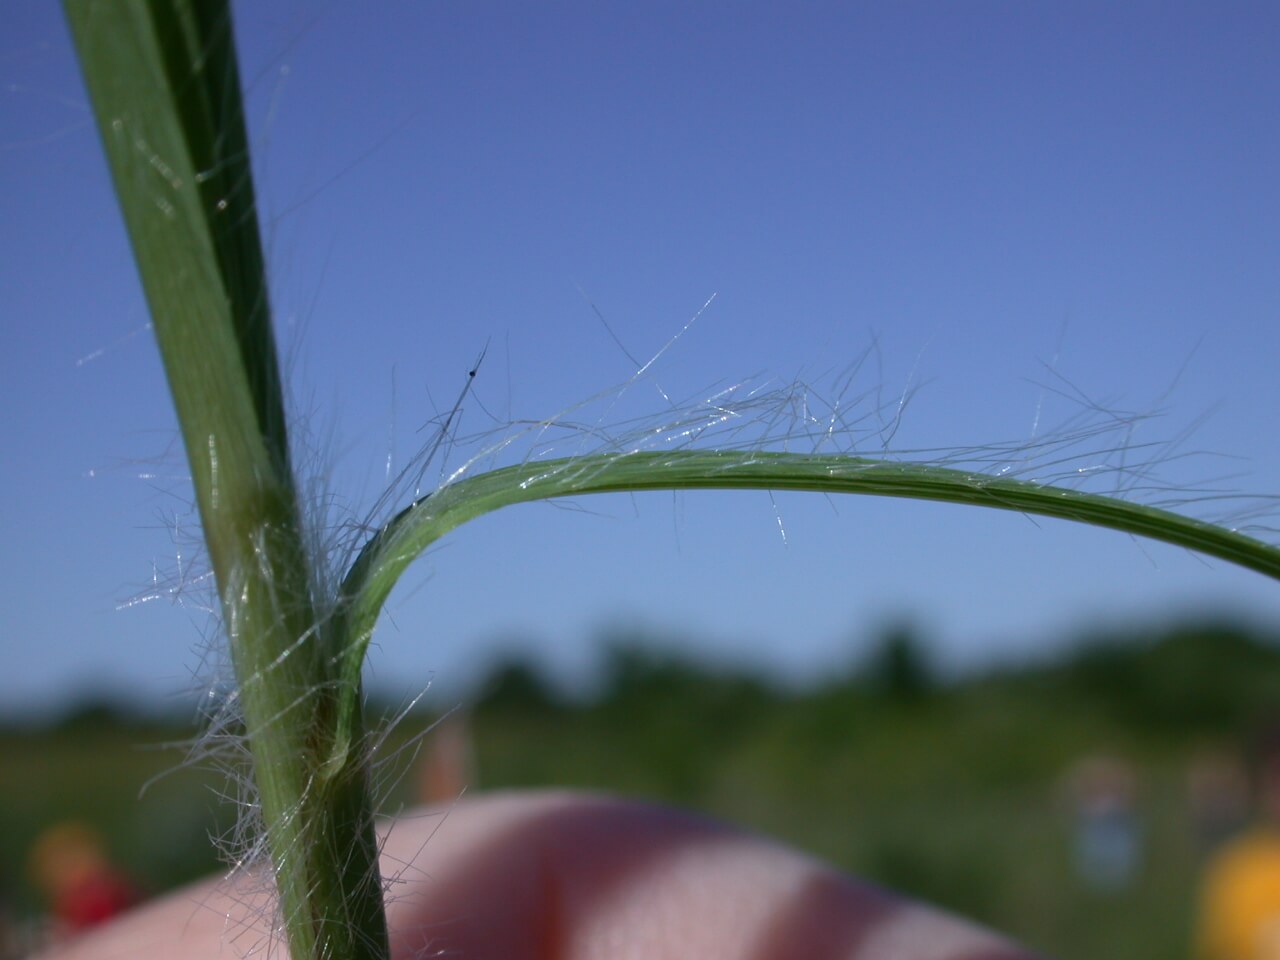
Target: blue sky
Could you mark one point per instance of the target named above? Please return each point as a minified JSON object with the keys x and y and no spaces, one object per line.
{"x":1030,"y":210}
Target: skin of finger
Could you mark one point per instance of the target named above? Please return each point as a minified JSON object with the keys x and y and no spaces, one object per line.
{"x":567,"y":876}
{"x":590,"y":878}
{"x":215,"y":918}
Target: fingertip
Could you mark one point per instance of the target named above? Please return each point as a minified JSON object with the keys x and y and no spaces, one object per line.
{"x":566,"y":876}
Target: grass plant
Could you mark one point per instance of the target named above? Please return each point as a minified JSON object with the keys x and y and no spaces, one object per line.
{"x":164,"y":82}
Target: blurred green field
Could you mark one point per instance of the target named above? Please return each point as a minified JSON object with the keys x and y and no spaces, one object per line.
{"x":957,"y":792}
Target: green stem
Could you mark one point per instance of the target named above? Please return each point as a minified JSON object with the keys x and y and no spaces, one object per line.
{"x":164,"y":82}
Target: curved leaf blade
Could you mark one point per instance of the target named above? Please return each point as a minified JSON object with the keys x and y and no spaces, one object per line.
{"x":414,"y":529}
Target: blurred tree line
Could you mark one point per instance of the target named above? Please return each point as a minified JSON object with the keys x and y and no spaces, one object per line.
{"x":1155,"y":688}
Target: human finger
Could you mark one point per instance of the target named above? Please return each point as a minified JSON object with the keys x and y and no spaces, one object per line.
{"x":571,"y":876}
